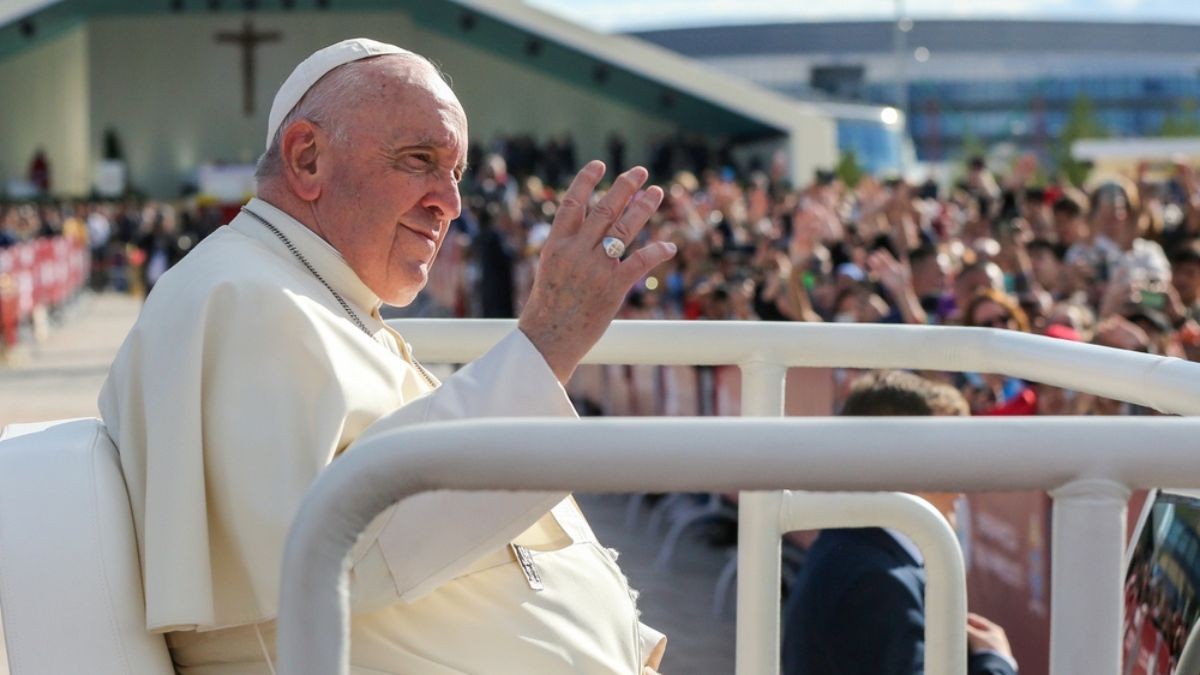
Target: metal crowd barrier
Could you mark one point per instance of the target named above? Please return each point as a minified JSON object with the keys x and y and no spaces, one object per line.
{"x":1088,"y":465}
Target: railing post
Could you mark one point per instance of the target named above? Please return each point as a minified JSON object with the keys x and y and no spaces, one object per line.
{"x":758,"y":538}
{"x":1086,"y":577}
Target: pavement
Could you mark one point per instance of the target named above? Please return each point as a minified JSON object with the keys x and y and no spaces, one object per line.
{"x":676,"y":601}
{"x":60,"y":377}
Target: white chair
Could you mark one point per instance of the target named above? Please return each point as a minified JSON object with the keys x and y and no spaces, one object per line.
{"x":70,"y":582}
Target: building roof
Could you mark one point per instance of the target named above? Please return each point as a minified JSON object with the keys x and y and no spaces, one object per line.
{"x":939,"y":36}
{"x":651,"y":62}
{"x":14,"y":10}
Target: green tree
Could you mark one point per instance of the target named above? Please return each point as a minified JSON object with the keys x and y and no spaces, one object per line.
{"x":848,"y":170}
{"x":972,"y":146}
{"x":1184,"y":123}
{"x":1082,"y":122}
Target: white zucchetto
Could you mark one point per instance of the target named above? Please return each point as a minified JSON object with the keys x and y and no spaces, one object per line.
{"x":314,"y":68}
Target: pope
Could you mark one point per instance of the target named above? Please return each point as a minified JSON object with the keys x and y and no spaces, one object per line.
{"x":262,"y":357}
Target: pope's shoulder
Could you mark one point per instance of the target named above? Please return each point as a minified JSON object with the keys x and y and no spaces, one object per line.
{"x":230,"y":291}
{"x":228,"y":275}
{"x":230,"y":260}
{"x":227,"y":256}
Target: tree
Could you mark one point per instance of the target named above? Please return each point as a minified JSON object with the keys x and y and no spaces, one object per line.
{"x":1184,"y":123}
{"x":1082,"y":122}
{"x":848,"y":169}
{"x":972,"y":146}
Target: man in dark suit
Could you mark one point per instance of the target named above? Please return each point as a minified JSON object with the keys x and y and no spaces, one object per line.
{"x":858,"y":604}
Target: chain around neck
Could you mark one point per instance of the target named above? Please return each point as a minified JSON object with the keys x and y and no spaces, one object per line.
{"x":304,"y":261}
{"x":336,"y":296}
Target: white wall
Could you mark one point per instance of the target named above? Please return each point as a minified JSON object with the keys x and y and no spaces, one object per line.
{"x":501,"y":96}
{"x":174,"y":94}
{"x":811,"y":145}
{"x":44,"y":104}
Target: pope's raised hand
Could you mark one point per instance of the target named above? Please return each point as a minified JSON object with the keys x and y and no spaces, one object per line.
{"x":579,"y":288}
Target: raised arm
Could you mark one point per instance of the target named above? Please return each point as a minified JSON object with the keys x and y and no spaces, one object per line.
{"x":579,"y":288}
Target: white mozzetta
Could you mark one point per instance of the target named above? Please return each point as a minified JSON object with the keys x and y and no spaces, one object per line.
{"x":243,"y":379}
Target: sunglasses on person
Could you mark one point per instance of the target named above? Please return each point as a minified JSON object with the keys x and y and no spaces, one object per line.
{"x":998,"y":321}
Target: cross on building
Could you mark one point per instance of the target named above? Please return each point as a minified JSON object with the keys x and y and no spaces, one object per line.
{"x":248,"y":40}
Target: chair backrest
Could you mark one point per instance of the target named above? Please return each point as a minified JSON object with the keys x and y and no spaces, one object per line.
{"x":70,"y":581}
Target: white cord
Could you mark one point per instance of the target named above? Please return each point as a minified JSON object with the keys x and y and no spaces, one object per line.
{"x":263,"y":643}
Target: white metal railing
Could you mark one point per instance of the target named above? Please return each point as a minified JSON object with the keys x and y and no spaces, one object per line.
{"x":1089,"y":498}
{"x":1165,"y":384}
{"x":945,"y":574}
{"x":826,"y":454}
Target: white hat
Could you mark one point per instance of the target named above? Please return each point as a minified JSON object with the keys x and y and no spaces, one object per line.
{"x":314,"y":68}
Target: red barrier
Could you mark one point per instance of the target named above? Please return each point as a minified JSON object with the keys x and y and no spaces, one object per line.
{"x":24,"y":276}
{"x":42,"y":273}
{"x":9,"y":300}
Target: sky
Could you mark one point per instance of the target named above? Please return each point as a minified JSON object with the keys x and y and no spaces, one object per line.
{"x":618,"y":15}
{"x":621,"y":15}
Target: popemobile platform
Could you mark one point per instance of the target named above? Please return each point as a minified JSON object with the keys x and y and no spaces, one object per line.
{"x":70,"y":586}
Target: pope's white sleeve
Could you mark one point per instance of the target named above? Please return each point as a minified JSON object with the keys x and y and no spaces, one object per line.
{"x":653,"y":645}
{"x":432,"y":538}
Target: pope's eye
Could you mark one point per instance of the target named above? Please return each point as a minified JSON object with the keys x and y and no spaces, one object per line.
{"x":418,"y":160}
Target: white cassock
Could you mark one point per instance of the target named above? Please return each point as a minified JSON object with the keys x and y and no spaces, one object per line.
{"x":241,"y":380}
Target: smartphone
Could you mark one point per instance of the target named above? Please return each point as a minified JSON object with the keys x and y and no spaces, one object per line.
{"x":1154,"y":300}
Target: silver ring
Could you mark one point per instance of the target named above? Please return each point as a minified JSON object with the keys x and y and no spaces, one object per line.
{"x":613,"y":247}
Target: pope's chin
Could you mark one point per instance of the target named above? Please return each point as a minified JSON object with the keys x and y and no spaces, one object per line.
{"x":403,"y":293}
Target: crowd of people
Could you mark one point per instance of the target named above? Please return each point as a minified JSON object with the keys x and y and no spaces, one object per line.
{"x":1116,"y":264}
{"x":132,"y":242}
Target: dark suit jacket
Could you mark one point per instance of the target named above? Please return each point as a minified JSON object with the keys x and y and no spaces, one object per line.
{"x":858,"y":607}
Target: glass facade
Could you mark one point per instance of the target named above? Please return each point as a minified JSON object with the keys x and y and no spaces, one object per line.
{"x":875,"y":145}
{"x":1032,"y":114}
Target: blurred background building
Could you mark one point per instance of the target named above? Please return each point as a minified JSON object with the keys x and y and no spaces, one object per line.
{"x":154,"y":94}
{"x":967,"y":85}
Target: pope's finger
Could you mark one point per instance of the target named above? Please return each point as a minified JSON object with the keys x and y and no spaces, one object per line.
{"x":642,"y":261}
{"x":977,"y":620}
{"x":637,"y":214}
{"x":573,"y":207}
{"x":600,"y":218}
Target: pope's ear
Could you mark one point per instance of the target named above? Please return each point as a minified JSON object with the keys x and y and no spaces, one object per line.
{"x":302,"y":149}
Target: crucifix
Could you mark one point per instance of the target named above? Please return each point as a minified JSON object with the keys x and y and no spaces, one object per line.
{"x":247,"y":39}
